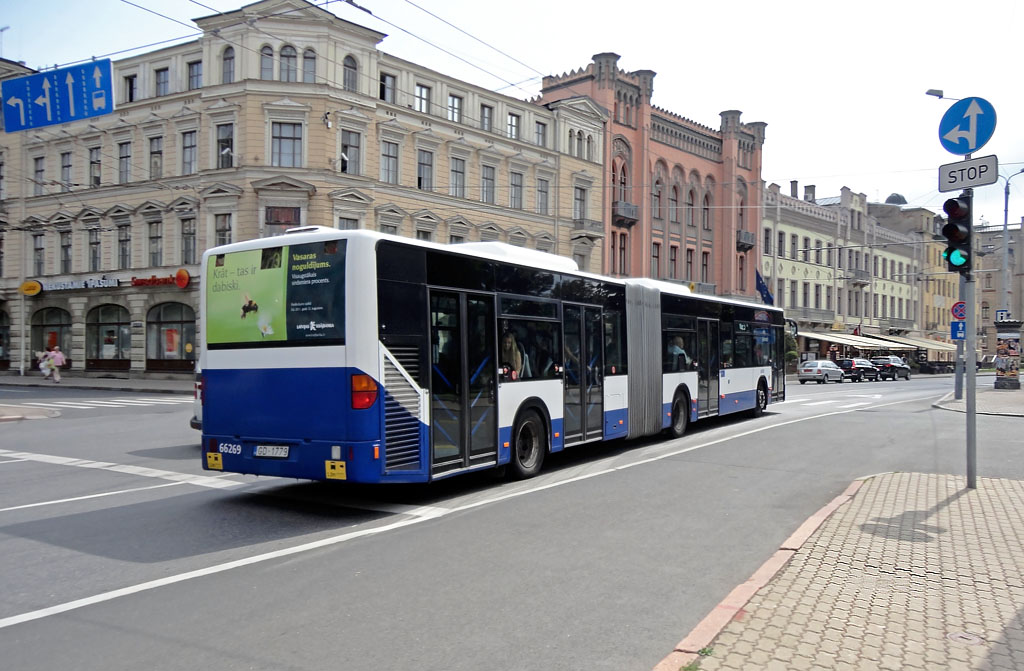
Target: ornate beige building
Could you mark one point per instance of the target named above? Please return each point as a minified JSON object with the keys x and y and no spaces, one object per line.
{"x":281,"y":114}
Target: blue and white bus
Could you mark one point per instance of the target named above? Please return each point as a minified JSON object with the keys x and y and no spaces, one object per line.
{"x":358,"y":356}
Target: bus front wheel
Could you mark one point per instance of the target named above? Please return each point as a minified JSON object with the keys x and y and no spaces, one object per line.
{"x":760,"y":400}
{"x":529,"y":443}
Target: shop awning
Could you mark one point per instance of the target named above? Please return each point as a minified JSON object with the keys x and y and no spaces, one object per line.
{"x":860,"y":342}
{"x":922,"y":343}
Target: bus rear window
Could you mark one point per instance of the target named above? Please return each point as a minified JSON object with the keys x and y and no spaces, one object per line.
{"x":289,"y":295}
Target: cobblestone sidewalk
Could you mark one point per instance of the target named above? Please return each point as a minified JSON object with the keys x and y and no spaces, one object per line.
{"x":914,"y":571}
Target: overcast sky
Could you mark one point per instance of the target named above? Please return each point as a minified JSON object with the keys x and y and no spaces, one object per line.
{"x":840,"y":85}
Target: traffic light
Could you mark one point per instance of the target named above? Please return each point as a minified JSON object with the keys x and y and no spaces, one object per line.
{"x":958,"y":233}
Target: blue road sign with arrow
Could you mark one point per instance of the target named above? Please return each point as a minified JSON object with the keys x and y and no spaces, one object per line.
{"x":967,"y":126}
{"x":57,"y":96}
{"x":958,"y":330}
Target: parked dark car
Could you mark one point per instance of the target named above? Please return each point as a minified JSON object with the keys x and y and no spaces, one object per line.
{"x":858,"y":369}
{"x":891,"y":367}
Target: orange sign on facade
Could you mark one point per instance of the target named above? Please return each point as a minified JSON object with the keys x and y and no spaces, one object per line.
{"x":179,"y":279}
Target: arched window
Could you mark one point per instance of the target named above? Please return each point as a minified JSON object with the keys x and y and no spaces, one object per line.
{"x":5,"y":341}
{"x":52,"y":327}
{"x":108,"y":338}
{"x":289,"y":64}
{"x":705,"y":215}
{"x":351,"y":74}
{"x":590,"y":147}
{"x":579,"y":144}
{"x":171,"y":337}
{"x":690,"y":205}
{"x":739,"y":215}
{"x":673,"y":204}
{"x":572,"y":141}
{"x":266,"y":63}
{"x":227,"y":71}
{"x":656,"y":200}
{"x":309,"y":67}
{"x":623,"y":183}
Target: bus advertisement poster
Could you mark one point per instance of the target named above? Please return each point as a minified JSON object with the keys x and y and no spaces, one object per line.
{"x":316,"y":291}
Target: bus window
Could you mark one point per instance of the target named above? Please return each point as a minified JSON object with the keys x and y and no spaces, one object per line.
{"x":614,"y":343}
{"x":679,"y":349}
{"x":537,"y":345}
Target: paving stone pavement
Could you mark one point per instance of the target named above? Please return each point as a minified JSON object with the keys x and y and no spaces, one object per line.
{"x":906,"y":571}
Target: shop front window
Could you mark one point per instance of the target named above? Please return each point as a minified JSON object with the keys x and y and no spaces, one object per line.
{"x":5,"y":340}
{"x":51,"y":327}
{"x":108,"y":338}
{"x":171,"y":337}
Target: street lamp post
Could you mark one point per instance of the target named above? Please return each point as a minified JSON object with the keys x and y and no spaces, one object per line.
{"x":1006,"y":242}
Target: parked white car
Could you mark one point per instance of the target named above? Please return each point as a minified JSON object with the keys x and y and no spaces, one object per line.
{"x":820,"y":371}
{"x":197,"y":402}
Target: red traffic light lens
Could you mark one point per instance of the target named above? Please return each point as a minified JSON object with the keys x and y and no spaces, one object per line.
{"x":956,"y":208}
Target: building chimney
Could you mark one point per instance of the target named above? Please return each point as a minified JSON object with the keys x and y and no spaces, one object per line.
{"x":809,"y":193}
{"x":794,"y":190}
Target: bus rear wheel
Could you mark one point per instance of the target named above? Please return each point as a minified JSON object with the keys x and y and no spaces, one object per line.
{"x":760,"y":400}
{"x":529,"y":444}
{"x":680,"y":416}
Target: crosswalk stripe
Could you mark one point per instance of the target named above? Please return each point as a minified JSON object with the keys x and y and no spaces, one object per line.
{"x":167,"y":400}
{"x":61,"y":404}
{"x":134,"y":401}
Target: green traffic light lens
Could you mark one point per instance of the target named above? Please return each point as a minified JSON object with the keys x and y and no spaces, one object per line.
{"x":957,"y":258}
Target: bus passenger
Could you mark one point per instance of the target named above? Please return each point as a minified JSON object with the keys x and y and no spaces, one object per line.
{"x":510,"y":355}
{"x":679,"y":359}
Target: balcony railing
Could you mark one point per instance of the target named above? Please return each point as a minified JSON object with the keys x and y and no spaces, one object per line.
{"x":624,"y":212}
{"x":745,"y":240}
{"x":811,"y":315}
{"x":589,"y":226}
{"x":858,"y":276}
{"x":894,"y":323}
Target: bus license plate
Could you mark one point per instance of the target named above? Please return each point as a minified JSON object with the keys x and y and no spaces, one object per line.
{"x":273,"y":451}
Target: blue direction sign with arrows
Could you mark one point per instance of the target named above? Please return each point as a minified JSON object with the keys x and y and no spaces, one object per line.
{"x":967,"y":126}
{"x":57,"y":96}
{"x":958,"y":330}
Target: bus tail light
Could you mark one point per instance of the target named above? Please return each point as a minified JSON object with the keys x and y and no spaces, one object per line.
{"x":364,"y":391}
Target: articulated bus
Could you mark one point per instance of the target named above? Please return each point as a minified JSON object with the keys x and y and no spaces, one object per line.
{"x":359,"y":356}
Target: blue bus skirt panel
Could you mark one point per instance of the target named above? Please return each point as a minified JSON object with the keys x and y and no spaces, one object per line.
{"x":321,"y":397}
{"x":742,"y":400}
{"x":616,"y":423}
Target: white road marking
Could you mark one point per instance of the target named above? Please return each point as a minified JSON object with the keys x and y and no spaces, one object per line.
{"x":89,"y":496}
{"x":185,"y":478}
{"x":431,"y":513}
{"x":60,"y":404}
{"x":854,"y":405}
{"x":820,"y":403}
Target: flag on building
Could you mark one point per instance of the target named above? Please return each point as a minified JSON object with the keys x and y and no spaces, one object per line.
{"x":762,"y":289}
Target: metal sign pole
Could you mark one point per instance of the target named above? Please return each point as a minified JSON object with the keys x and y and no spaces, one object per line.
{"x":972,"y":355}
{"x":958,"y":384}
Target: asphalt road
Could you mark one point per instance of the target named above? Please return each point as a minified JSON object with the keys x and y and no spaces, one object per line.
{"x":119,"y":552}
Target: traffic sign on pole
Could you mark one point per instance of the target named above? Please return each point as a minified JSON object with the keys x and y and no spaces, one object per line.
{"x":972,"y":172}
{"x":958,"y":330}
{"x":57,"y":96}
{"x":967,"y":126}
{"x":959,"y":310}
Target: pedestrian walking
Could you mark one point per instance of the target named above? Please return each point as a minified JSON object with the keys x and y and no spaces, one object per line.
{"x":57,"y":360}
{"x":44,"y":362}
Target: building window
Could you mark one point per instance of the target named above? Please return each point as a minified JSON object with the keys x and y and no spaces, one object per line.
{"x":277,"y":220}
{"x":95,"y":250}
{"x":673,"y":261}
{"x":806,"y":252}
{"x":422,"y":99}
{"x":188,"y":241}
{"x":188,"y":152}
{"x":387,"y":88}
{"x":289,"y":64}
{"x":170,"y":337}
{"x":65,"y":251}
{"x":792,"y":294}
{"x":94,"y":166}
{"x":65,"y":171}
{"x":266,"y":63}
{"x":222,"y":229}
{"x":691,"y":206}
{"x":129,"y":88}
{"x":673,"y":204}
{"x":163,"y":81}
{"x":540,"y":134}
{"x":543,"y":187}
{"x":655,"y":259}
{"x":767,"y":242}
{"x":225,"y":145}
{"x":807,"y":294}
{"x":456,"y":239}
{"x":516,"y":190}
{"x":156,"y":157}
{"x":513,"y":126}
{"x":286,"y":145}
{"x":454,"y":108}
{"x":425,"y":170}
{"x":426,"y":236}
{"x":38,"y":253}
{"x":486,"y":117}
{"x":351,"y":74}
{"x":124,"y":246}
{"x":39,"y":175}
{"x":689,"y":263}
{"x":108,"y":337}
{"x":195,"y":75}
{"x":457,"y":185}
{"x":622,"y":254}
{"x":579,"y":203}
{"x":227,"y":66}
{"x":389,"y":162}
{"x":124,"y":162}
{"x":487,"y":184}
{"x":156,"y":243}
{"x":780,"y":293}
{"x":817,"y":252}
{"x":742,"y":272}
{"x":656,"y":200}
{"x":348,"y":224}
{"x":705,"y":266}
{"x":309,"y":70}
{"x":828,"y":299}
{"x":351,"y":143}
{"x":740,"y":220}
{"x":705,"y":214}
{"x":794,"y":245}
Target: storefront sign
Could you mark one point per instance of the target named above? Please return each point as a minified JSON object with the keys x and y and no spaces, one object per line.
{"x":179,"y":279}
{"x":65,"y":285}
{"x":30,"y":288}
